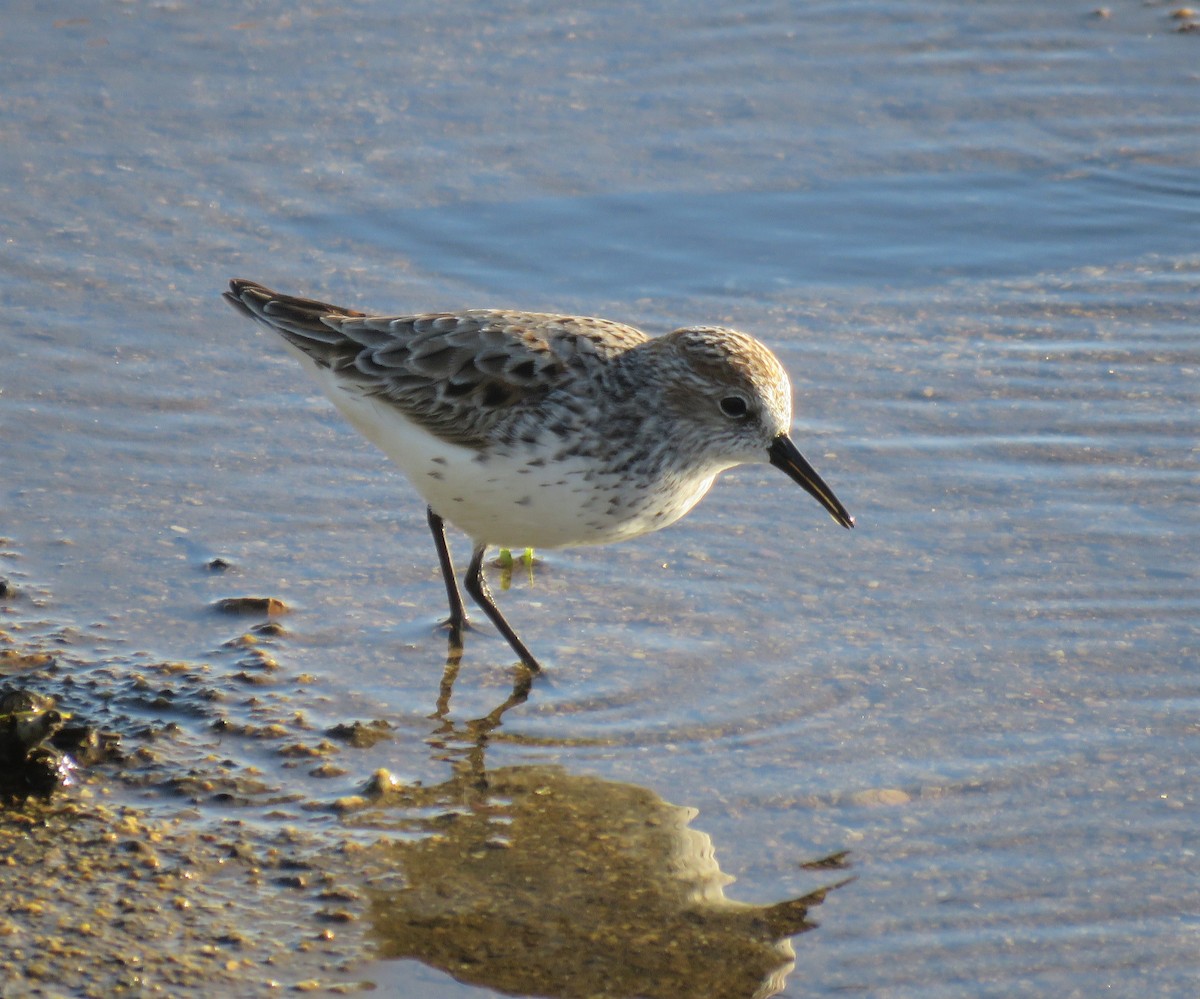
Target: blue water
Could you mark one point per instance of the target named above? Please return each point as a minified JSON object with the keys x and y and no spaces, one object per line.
{"x":970,"y":231}
{"x":889,"y":231}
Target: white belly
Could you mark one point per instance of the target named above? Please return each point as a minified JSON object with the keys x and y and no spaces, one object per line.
{"x":507,"y":500}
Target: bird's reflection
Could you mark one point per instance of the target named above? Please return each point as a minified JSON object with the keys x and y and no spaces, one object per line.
{"x":480,"y":728}
{"x":534,"y":881}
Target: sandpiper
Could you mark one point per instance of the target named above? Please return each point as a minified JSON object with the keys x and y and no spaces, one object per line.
{"x":530,"y":430}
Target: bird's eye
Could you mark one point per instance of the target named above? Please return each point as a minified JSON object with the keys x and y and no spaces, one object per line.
{"x":734,"y":406}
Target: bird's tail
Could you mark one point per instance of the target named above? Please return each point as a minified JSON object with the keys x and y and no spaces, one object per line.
{"x":281,"y":312}
{"x":300,"y":321}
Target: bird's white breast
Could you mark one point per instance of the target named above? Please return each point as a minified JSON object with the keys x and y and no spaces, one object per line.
{"x":520,"y":497}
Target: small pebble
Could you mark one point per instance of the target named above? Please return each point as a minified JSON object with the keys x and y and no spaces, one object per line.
{"x":251,"y":605}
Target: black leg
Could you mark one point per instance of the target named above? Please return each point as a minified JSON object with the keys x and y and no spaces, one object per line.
{"x":477,"y":587}
{"x":457,"y":620}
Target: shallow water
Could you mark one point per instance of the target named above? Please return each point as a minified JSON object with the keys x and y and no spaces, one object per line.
{"x":970,"y":232}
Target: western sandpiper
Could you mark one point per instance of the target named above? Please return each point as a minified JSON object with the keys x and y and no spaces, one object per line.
{"x":528,"y":430}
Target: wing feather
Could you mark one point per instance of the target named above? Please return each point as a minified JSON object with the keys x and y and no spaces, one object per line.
{"x":457,"y":375}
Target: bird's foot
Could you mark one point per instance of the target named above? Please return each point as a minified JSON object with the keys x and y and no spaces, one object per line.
{"x":454,"y":630}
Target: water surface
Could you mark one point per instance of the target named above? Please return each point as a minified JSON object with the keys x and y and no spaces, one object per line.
{"x":969,"y":231}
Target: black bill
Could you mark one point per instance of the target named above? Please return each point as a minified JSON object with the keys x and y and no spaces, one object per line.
{"x":784,"y":455}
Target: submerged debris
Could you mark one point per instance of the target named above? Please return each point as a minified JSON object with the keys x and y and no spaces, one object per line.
{"x":39,"y":751}
{"x":28,"y":764}
{"x":361,"y":735}
{"x":251,"y":605}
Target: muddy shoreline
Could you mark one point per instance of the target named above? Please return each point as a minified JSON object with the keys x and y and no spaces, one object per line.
{"x":169,"y":867}
{"x":104,"y":900}
{"x":189,"y":863}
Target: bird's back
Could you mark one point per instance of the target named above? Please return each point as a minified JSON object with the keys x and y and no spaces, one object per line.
{"x":455,"y":374}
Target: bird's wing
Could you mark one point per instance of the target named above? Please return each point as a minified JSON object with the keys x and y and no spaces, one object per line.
{"x":455,"y":374}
